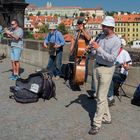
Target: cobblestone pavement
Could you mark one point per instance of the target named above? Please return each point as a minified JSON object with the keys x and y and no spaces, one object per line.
{"x":67,"y":118}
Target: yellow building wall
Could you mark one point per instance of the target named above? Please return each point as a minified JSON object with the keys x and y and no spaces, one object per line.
{"x":130,"y":31}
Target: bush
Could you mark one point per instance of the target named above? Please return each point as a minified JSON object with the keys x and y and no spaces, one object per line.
{"x":28,"y":34}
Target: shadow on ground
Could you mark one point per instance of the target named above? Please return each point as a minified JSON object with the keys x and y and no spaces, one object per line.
{"x":88,"y":105}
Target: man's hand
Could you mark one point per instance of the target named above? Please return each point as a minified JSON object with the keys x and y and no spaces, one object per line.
{"x":125,"y":66}
{"x":45,"y":45}
{"x":95,"y":45}
{"x":7,"y":32}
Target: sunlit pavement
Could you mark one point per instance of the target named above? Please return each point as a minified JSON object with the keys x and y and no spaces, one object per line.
{"x":67,"y":118}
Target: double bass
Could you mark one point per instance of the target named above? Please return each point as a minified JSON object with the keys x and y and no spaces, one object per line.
{"x":79,"y":72}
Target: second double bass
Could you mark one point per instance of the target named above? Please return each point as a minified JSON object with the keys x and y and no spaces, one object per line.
{"x":81,"y":44}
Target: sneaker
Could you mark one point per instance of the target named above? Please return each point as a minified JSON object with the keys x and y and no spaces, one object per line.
{"x":111,"y":102}
{"x":11,"y":77}
{"x":94,"y":130}
{"x":16,"y":77}
{"x":106,"y":122}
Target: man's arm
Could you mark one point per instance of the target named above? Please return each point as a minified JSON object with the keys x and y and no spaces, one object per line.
{"x":109,"y":57}
{"x":46,"y":41}
{"x":60,"y":42}
{"x":86,"y":34}
{"x":16,"y":37}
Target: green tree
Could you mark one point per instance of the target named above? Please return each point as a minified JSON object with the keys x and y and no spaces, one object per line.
{"x":110,"y":13}
{"x":66,"y":16}
{"x":44,"y":29}
{"x":55,"y":15}
{"x":82,"y":14}
{"x":46,"y":13}
{"x":93,"y":15}
{"x":62,"y":28}
{"x":30,"y":14}
{"x":28,"y":35}
{"x":38,"y":13}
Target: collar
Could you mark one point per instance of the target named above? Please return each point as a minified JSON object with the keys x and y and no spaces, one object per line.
{"x":108,"y":37}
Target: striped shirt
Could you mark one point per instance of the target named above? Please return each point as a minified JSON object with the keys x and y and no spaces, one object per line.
{"x":108,"y":50}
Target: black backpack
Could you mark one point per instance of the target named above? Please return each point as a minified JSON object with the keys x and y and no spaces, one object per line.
{"x":37,"y":85}
{"x":136,"y":97}
{"x":66,"y":71}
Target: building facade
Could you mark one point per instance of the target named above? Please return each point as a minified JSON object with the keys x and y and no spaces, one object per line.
{"x":128,"y":26}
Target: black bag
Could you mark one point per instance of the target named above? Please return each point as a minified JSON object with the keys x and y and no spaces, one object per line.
{"x":23,"y":95}
{"x":37,"y":85}
{"x":136,"y":97}
{"x":66,"y":71}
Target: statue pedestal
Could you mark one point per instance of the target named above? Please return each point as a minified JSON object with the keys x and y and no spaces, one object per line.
{"x":12,"y":9}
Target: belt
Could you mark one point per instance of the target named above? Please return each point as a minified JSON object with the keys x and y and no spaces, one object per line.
{"x":102,"y":65}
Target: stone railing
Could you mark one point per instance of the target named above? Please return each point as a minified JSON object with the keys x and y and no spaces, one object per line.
{"x":34,"y":53}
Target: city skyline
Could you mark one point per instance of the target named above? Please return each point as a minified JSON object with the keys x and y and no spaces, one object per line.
{"x":107,"y":5}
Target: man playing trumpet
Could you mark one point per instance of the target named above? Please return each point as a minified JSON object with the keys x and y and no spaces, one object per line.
{"x":16,"y":35}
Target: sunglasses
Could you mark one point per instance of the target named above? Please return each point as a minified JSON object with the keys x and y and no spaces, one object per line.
{"x":12,"y":24}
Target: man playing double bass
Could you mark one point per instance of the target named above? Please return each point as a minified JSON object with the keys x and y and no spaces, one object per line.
{"x":81,"y":34}
{"x":84,"y":34}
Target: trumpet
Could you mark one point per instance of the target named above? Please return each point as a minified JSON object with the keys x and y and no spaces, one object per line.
{"x":2,"y":31}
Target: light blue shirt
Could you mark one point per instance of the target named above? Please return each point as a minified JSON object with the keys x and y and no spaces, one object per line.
{"x":55,"y":37}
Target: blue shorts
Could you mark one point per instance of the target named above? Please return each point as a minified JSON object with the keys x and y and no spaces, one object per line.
{"x":16,"y":53}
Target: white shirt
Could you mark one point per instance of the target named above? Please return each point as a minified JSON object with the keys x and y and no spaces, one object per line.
{"x":122,"y":58}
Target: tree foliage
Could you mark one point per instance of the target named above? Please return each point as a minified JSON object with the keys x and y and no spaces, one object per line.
{"x":44,"y":28}
{"x":38,"y":13}
{"x":110,"y":13}
{"x":62,"y":28}
{"x":82,"y":14}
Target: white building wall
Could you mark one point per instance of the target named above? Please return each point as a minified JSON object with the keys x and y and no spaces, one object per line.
{"x":136,"y":44}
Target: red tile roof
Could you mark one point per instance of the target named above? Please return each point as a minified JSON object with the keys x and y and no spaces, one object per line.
{"x":127,"y":18}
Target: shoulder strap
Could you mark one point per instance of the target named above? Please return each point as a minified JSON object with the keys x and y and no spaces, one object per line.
{"x":120,"y":51}
{"x":49,"y":36}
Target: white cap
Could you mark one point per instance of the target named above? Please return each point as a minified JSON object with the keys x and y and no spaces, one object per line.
{"x":108,"y":21}
{"x":52,"y":27}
